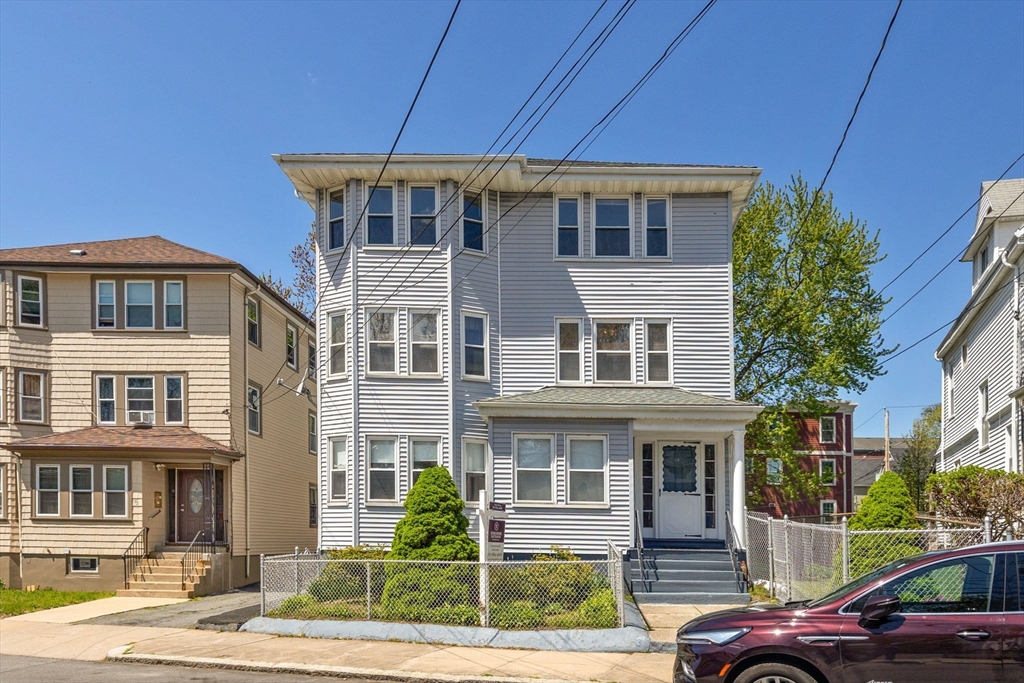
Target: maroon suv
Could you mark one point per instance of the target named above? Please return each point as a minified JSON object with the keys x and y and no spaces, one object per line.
{"x":952,"y":615}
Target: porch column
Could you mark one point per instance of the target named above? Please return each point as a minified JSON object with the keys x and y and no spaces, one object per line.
{"x":739,"y":488}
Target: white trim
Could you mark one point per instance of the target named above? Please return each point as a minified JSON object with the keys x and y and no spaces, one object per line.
{"x":835,"y":472}
{"x":472,"y":501}
{"x":72,"y":490}
{"x":258,"y":322}
{"x":127,"y":401}
{"x":668,"y":226}
{"x":437,"y":440}
{"x":768,"y":475}
{"x":332,"y":499}
{"x":551,"y":470}
{"x":486,"y":377}
{"x":100,"y":399}
{"x":311,"y":436}
{"x":366,"y":217}
{"x":579,"y":228}
{"x":22,"y":397}
{"x":368,"y":469}
{"x":483,"y":221}
{"x":667,"y":322}
{"x":558,"y":349}
{"x":412,"y":343}
{"x":113,"y":321}
{"x":294,"y":346}
{"x":330,"y":345}
{"x":152,"y":304}
{"x":632,"y":348}
{"x":343,"y":189}
{"x":821,"y":508}
{"x":821,"y":431}
{"x":42,"y":297}
{"x":127,"y":488}
{"x":181,"y":304}
{"x":167,"y":400}
{"x":409,"y":187}
{"x":393,"y":312}
{"x":250,"y":387}
{"x":594,"y":227}
{"x":39,"y":467}
{"x":71,"y":564}
{"x":606,"y":469}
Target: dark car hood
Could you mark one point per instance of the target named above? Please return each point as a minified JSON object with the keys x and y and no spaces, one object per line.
{"x":757,"y":613}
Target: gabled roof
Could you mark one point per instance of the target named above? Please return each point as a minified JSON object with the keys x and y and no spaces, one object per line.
{"x":133,"y":252}
{"x":1003,"y":196}
{"x":180,"y":440}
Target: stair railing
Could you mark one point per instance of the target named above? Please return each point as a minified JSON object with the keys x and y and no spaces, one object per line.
{"x":730,"y":543}
{"x":193,"y":555}
{"x":133,"y":556}
{"x":638,"y":541}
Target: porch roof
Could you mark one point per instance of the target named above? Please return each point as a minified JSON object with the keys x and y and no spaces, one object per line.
{"x":163,"y":440}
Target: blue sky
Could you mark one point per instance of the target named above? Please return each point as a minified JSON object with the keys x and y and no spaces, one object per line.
{"x":123,"y":119}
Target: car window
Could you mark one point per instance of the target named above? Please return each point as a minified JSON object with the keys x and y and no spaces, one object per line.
{"x":860,"y":582}
{"x":1014,"y":582}
{"x":963,"y":584}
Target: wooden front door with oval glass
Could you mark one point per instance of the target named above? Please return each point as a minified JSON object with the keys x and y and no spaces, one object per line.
{"x":192,"y":498}
{"x":679,"y":490}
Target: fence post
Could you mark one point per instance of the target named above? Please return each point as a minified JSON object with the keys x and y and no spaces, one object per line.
{"x":485,"y":593}
{"x":263,"y":585}
{"x":296,"y":561}
{"x":368,"y":584}
{"x":846,"y":552}
{"x":771,"y":559}
{"x":988,"y":529}
{"x":789,"y":560}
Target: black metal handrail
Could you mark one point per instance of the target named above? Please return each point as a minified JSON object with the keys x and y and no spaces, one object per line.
{"x":193,"y":556}
{"x":730,"y":543}
{"x":638,"y":539}
{"x":135,"y":554}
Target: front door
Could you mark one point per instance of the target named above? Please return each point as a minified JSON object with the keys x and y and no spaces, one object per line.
{"x":192,"y":499}
{"x":679,"y":486}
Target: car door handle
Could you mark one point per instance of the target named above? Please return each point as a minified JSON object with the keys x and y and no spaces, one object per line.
{"x":974,"y":635}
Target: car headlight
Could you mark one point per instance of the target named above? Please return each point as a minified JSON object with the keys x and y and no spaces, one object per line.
{"x":719,"y":637}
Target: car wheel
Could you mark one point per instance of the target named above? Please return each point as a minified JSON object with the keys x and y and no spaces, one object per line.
{"x":773,"y":672}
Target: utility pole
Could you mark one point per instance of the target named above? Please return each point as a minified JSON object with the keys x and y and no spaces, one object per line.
{"x":886,"y":439}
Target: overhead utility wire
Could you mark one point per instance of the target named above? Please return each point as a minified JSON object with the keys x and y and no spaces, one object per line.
{"x":951,"y":225}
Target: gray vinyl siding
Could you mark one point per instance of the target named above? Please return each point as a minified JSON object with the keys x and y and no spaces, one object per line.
{"x":586,"y":530}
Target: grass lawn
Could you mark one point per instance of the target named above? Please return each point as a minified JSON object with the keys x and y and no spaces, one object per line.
{"x":14,"y":602}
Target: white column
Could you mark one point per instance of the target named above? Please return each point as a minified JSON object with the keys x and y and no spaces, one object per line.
{"x":739,"y":488}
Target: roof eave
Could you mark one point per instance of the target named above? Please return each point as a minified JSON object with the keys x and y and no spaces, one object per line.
{"x":516,"y":409}
{"x":84,"y":449}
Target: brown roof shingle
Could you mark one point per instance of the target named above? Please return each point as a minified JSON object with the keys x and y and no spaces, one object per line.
{"x":168,"y":439}
{"x":130,"y":252}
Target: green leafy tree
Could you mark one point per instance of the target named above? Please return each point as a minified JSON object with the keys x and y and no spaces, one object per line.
{"x":917,"y":461}
{"x":807,"y":320}
{"x":301,"y":293}
{"x":973,"y":492}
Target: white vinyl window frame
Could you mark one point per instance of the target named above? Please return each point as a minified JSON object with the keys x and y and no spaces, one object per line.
{"x":370,"y":342}
{"x":151,"y":305}
{"x":104,"y":322}
{"x":338,"y":469}
{"x":822,"y":505}
{"x":311,"y":361}
{"x":551,"y":470}
{"x":556,"y":220}
{"x":72,"y":490}
{"x":414,"y":468}
{"x":822,"y":471}
{"x":95,"y":561}
{"x":337,"y":347}
{"x":773,"y":471}
{"x":963,"y":355}
{"x":128,"y":400}
{"x":109,"y":493}
{"x":291,"y":346}
{"x":560,"y":352}
{"x":949,"y":391}
{"x":463,"y":346}
{"x":40,"y":491}
{"x":409,"y":187}
{"x":648,"y":352}
{"x":311,"y":432}
{"x":474,"y":501}
{"x":171,"y":401}
{"x":252,"y":321}
{"x":983,"y":406}
{"x":667,"y":228}
{"x":604,"y":470}
{"x":594,"y":324}
{"x":414,"y":343}
{"x":169,"y":306}
{"x":594,"y":227}
{"x":331,"y":220}
{"x":254,"y":409}
{"x":482,"y":196}
{"x":829,"y":434}
{"x":367,"y":189}
{"x":370,"y":469}
{"x":23,"y":398}
{"x":22,"y":279}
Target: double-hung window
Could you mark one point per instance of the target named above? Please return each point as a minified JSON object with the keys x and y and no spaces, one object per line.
{"x":254,"y":408}
{"x":827,"y":471}
{"x":474,"y":345}
{"x":81,"y":490}
{"x":115,"y":491}
{"x":138,"y":305}
{"x":252,"y":321}
{"x":31,"y":397}
{"x":174,"y":399}
{"x":380,"y":216}
{"x":336,"y":343}
{"x":828,"y":508}
{"x":106,"y":401}
{"x":567,"y":226}
{"x":656,"y":345}
{"x":174,"y":305}
{"x":48,"y":491}
{"x":381,"y":339}
{"x":983,"y":415}
{"x":423,"y":215}
{"x":827,"y":429}
{"x":534,"y":466}
{"x":774,"y":470}
{"x":656,"y":227}
{"x":612,"y":228}
{"x":569,"y":350}
{"x":339,"y":469}
{"x":587,"y":469}
{"x":383,"y":473}
{"x":473,"y":221}
{"x":336,"y":221}
{"x":311,"y":362}
{"x":311,"y":431}
{"x":423,"y":340}
{"x":141,"y":400}
{"x":30,"y":301}
{"x":614,"y":351}
{"x":106,"y":304}
{"x":424,"y":455}
{"x":291,"y":355}
{"x":474,"y":467}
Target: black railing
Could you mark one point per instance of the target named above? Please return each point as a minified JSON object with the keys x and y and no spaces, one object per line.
{"x":730,"y":543}
{"x":135,"y":554}
{"x":198,"y":548}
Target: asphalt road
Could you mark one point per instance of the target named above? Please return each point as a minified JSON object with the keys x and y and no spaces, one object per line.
{"x":188,"y":614}
{"x":39,"y":670}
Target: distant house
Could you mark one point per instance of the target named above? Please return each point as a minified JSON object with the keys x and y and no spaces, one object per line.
{"x":141,"y":412}
{"x":981,"y":354}
{"x":828,"y":453}
{"x":869,"y":462}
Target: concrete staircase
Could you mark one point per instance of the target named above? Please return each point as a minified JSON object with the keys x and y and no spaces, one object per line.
{"x":688,"y":576}
{"x":158,"y":575}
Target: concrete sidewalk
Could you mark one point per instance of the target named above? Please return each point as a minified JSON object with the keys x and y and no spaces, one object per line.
{"x":344,"y":658}
{"x":665,"y":620}
{"x":104,"y":607}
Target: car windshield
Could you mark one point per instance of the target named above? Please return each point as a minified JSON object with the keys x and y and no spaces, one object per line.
{"x":856,"y":584}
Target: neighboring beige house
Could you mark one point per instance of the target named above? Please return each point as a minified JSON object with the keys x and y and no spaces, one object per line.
{"x":153,"y":398}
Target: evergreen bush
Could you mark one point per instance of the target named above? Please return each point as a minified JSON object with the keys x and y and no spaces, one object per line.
{"x":888,"y":505}
{"x":434,"y":526}
{"x":517,"y":615}
{"x":347,"y":580}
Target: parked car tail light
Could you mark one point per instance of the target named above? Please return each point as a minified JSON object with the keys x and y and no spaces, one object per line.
{"x":719,"y":637}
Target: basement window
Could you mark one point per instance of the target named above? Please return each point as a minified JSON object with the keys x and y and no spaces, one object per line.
{"x":85,"y":565}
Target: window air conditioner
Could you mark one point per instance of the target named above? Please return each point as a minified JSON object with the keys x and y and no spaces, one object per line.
{"x":140,"y":417}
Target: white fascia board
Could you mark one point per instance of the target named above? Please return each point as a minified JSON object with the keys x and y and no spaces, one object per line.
{"x":743,"y":414}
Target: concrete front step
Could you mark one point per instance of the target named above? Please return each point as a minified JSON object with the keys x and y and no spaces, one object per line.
{"x":682,"y":565}
{"x":136,"y":593}
{"x":682,"y":575}
{"x":692,"y":598}
{"x":684,"y":586}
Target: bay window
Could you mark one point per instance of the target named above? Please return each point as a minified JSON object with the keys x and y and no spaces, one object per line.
{"x":380,"y":216}
{"x":422,"y":215}
{"x":424,"y":455}
{"x":423,"y":340}
{"x":474,"y":467}
{"x":339,"y":469}
{"x":587,"y":469}
{"x":381,"y":340}
{"x":473,"y":221}
{"x":336,"y":221}
{"x":382,"y":471}
{"x":336,"y":343}
{"x":612,"y":227}
{"x":614,"y":351}
{"x":534,"y":464}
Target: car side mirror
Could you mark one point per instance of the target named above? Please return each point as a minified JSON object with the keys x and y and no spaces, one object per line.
{"x":877,"y":609}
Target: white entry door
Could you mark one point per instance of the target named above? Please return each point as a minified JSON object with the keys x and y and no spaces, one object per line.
{"x":679,"y":490}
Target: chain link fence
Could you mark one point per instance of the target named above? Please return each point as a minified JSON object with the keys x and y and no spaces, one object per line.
{"x":801,"y":561}
{"x":552,"y":594}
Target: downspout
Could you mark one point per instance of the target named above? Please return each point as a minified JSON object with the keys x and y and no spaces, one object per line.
{"x":1015,"y":351}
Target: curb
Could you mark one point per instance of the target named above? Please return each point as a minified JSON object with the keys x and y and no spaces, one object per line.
{"x":121,"y":655}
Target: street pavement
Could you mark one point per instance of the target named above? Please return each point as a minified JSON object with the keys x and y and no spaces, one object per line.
{"x":189,"y":613}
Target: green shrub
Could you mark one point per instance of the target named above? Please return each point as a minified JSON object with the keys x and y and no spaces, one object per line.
{"x":433,"y":593}
{"x":518,"y":615}
{"x":434,"y":526}
{"x":887,"y":506}
{"x":871,"y":551}
{"x":597,"y":611}
{"x":347,"y":580}
{"x":568,"y":585}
